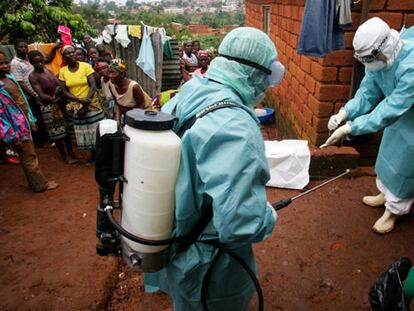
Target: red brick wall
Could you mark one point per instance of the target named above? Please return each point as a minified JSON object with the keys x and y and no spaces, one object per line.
{"x":314,"y":88}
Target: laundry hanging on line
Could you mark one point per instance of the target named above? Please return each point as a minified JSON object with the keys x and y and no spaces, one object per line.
{"x":122,"y":35}
{"x":320,"y":32}
{"x":135,"y":31}
{"x":146,"y":58}
{"x":65,"y":35}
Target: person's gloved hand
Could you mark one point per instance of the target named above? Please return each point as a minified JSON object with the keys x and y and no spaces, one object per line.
{"x":337,"y":136}
{"x":337,"y":119}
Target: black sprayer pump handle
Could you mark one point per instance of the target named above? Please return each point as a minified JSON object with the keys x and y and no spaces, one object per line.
{"x":281,"y":204}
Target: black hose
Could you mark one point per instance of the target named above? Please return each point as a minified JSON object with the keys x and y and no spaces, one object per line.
{"x":242,"y":263}
{"x":135,"y":238}
{"x":216,"y":244}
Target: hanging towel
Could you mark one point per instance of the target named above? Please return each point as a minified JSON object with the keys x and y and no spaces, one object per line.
{"x":122,"y":35}
{"x":151,"y":30}
{"x":163,"y":34}
{"x":65,"y":35}
{"x":166,"y":44}
{"x":146,"y":58}
{"x":135,"y":31}
{"x":106,"y":36}
{"x":110,"y":29}
{"x":320,"y":34}
{"x":99,"y":40}
{"x":167,"y":49}
{"x":344,"y":14}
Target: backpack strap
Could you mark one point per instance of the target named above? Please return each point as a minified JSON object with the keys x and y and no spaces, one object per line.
{"x":207,"y":208}
{"x":190,"y":122}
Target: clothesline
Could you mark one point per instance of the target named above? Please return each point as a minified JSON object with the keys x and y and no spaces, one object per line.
{"x":145,"y":59}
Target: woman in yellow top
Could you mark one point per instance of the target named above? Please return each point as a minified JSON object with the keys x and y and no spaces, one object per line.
{"x":78,"y":83}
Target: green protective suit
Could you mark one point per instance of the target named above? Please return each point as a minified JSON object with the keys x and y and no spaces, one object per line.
{"x":222,"y":157}
{"x":394,"y":114}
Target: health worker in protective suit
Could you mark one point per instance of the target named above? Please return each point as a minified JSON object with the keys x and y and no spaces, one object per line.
{"x":222,"y":161}
{"x":388,"y":57}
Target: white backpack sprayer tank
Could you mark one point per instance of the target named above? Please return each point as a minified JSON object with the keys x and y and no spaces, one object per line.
{"x":151,"y":154}
{"x":151,"y":163}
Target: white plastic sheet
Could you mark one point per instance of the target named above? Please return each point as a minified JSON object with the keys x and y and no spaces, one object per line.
{"x":288,"y":163}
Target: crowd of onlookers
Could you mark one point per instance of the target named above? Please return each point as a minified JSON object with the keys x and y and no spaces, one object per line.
{"x":193,"y":60}
{"x":64,"y":109}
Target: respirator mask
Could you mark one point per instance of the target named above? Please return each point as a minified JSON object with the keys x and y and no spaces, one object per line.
{"x":275,"y":73}
{"x":370,"y":60}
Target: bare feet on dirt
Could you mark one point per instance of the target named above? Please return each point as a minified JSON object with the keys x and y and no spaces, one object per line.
{"x":51,"y":185}
{"x":71,"y":160}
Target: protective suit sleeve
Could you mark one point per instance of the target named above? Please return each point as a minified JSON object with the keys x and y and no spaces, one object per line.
{"x":365,"y":98}
{"x":390,"y":109}
{"x":234,"y":172}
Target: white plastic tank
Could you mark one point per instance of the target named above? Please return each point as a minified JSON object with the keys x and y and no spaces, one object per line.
{"x":152,"y":160}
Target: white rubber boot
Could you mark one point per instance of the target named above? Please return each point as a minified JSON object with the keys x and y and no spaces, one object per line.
{"x":375,"y":200}
{"x":385,"y":223}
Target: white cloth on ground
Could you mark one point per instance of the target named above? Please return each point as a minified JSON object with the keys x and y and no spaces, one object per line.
{"x":394,"y":204}
{"x":288,"y":162}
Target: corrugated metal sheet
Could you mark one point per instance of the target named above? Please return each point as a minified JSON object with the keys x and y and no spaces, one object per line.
{"x":171,"y":74}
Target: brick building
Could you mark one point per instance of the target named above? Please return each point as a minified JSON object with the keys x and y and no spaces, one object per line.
{"x":314,"y":88}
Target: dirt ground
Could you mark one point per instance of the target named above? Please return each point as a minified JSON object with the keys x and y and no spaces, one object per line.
{"x":321,"y":256}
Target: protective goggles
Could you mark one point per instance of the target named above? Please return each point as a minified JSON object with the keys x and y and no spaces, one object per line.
{"x":373,"y":55}
{"x":275,"y":73}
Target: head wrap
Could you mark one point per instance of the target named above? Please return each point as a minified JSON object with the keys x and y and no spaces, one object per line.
{"x":203,"y":53}
{"x":66,"y":47}
{"x":119,"y":65}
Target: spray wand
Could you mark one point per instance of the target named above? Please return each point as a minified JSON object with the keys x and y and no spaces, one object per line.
{"x":285,"y":202}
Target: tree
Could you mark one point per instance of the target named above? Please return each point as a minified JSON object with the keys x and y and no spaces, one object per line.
{"x":38,"y":20}
{"x":111,"y":6}
{"x":239,"y":19}
{"x":95,"y":16}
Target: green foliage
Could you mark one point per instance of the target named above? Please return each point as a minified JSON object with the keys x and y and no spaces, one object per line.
{"x":91,"y":11}
{"x":38,"y":20}
{"x":207,"y":42}
{"x":217,"y":20}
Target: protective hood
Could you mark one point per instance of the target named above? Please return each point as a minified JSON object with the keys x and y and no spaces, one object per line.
{"x":374,"y":34}
{"x":392,"y":47}
{"x":252,"y":45}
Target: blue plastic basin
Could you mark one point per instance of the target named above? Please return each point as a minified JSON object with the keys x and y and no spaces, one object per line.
{"x":268,"y":116}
